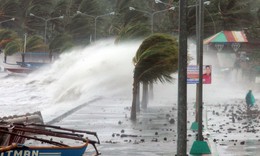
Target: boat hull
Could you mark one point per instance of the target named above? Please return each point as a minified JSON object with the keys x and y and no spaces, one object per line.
{"x":19,"y":70}
{"x":45,"y":151}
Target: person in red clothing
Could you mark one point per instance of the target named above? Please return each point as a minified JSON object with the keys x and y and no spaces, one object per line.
{"x":207,"y":75}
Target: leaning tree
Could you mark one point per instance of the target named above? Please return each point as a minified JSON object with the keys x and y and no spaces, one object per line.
{"x":155,"y":60}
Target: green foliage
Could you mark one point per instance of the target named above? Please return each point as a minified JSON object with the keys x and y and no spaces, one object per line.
{"x":235,"y":14}
{"x":219,"y":15}
{"x":41,"y":8}
{"x":81,"y":27}
{"x":66,"y":8}
{"x":8,"y":8}
{"x":253,"y":33}
{"x":35,"y":43}
{"x":61,"y":43}
{"x":6,"y":36}
{"x":13,"y":47}
{"x":91,"y":7}
{"x":156,"y":59}
{"x":133,"y":32}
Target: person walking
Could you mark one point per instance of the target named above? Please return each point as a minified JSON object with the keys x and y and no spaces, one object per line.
{"x":250,"y":101}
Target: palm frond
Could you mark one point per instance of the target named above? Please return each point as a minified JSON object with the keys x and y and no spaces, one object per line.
{"x":13,"y":47}
{"x":6,"y":36}
{"x":35,"y":43}
{"x":156,"y":59}
{"x":62,"y":42}
{"x":133,"y":32}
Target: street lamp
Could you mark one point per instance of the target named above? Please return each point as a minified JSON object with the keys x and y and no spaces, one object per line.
{"x":171,"y":8}
{"x":152,"y":14}
{"x":111,"y":13}
{"x":158,"y":1}
{"x":96,"y":18}
{"x":79,"y":12}
{"x":206,"y":2}
{"x":196,"y":5}
{"x":46,"y":20}
{"x":12,"y":19}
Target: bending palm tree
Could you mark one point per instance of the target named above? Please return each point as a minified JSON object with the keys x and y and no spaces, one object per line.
{"x":155,"y":60}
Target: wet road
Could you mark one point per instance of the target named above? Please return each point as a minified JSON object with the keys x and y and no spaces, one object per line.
{"x":152,"y":134}
{"x":234,"y":129}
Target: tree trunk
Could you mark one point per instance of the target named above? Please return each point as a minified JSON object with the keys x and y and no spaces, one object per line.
{"x":151,"y":95}
{"x":50,"y":56}
{"x":133,"y":109}
{"x":5,"y":59}
{"x":23,"y":58}
{"x":138,"y":98}
{"x":145,"y":95}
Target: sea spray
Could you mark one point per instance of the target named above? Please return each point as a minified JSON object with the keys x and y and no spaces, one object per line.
{"x":100,"y":69}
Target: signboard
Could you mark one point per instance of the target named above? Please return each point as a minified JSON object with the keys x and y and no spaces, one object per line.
{"x":193,"y":74}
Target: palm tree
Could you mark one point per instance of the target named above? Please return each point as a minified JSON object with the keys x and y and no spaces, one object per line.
{"x":155,"y":60}
{"x":33,"y":43}
{"x":81,"y":28}
{"x":61,"y":43}
{"x":235,"y":14}
{"x":6,"y":36}
{"x":132,"y":32}
{"x":41,"y":9}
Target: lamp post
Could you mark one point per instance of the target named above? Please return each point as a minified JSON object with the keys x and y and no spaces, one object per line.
{"x":200,"y":146}
{"x":171,"y":8}
{"x":91,"y":16}
{"x":158,"y":1}
{"x":12,"y":19}
{"x":96,"y":18}
{"x":46,"y":21}
{"x":196,"y":5}
{"x":151,"y":14}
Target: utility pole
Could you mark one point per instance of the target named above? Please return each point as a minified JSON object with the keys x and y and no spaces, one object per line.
{"x":194,"y":125}
{"x":182,"y":81}
{"x":199,"y":146}
{"x":200,"y":96}
{"x":197,"y":55}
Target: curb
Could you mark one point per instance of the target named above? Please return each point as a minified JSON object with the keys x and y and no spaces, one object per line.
{"x":64,"y":115}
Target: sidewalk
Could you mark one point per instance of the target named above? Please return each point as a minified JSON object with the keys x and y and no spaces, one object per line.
{"x":152,"y":134}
